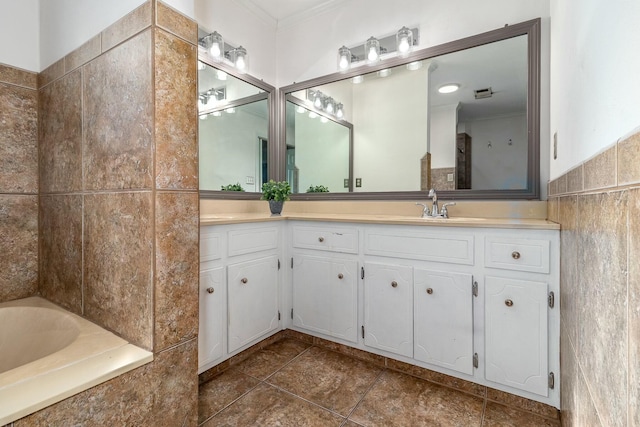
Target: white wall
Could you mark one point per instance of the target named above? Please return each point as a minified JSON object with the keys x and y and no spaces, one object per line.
{"x":239,"y":26}
{"x":20,"y":34}
{"x":595,"y":83}
{"x":443,"y":136}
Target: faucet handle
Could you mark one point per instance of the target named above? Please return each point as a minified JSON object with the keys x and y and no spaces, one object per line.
{"x":444,"y":211}
{"x":425,"y":210}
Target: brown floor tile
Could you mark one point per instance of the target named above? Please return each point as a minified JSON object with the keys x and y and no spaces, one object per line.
{"x":268,"y":406}
{"x":223,"y":389}
{"x":499,"y":415}
{"x":401,"y":400}
{"x":271,"y":358}
{"x":331,"y":380}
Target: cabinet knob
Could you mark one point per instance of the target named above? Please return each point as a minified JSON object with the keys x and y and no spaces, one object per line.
{"x":320,"y":239}
{"x":244,"y":280}
{"x":508,"y":303}
{"x":340,"y":276}
{"x":429,"y":291}
{"x":515,"y":255}
{"x":394,"y":284}
{"x":210,"y":290}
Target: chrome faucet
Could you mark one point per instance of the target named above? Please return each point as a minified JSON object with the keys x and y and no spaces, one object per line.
{"x":425,"y":210}
{"x":434,"y":200}
{"x":445,"y":212}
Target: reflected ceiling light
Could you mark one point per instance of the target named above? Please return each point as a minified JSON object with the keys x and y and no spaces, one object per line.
{"x":344,"y":58}
{"x":300,"y":109}
{"x":384,"y":73}
{"x":216,"y":114}
{"x":329,"y":105}
{"x":413,"y":66}
{"x":312,"y":115}
{"x":230,"y":110}
{"x":449,"y":88}
{"x":357,"y":79}
{"x":221,"y":75}
{"x":323,"y":119}
{"x":404,"y":41}
{"x":372,"y":50}
{"x":204,"y":116}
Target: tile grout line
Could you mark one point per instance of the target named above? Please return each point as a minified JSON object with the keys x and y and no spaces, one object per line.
{"x":373,"y":383}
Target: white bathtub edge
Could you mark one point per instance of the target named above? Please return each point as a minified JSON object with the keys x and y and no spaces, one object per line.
{"x":29,"y":396}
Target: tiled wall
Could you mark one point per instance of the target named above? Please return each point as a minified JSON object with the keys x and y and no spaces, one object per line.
{"x":18,"y":183}
{"x":119,"y":210}
{"x":598,"y":207}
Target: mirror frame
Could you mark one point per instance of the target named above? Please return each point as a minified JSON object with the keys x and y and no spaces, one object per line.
{"x":529,"y":28}
{"x":272,"y":154}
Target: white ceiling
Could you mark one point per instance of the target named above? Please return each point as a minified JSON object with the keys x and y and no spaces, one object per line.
{"x":281,"y":12}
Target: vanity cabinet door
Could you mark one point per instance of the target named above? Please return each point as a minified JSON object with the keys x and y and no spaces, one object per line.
{"x":253,"y":300}
{"x":212,"y":315}
{"x":325,"y":296}
{"x":388,"y":307}
{"x":443,"y":309}
{"x":516,"y":334}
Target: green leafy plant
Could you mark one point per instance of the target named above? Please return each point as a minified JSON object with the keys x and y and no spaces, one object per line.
{"x":277,"y":191}
{"x":317,"y":189}
{"x":232,"y":187}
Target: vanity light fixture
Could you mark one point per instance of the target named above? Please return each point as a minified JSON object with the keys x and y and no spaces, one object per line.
{"x":449,"y":88}
{"x":413,"y":66}
{"x":372,"y":49}
{"x":329,"y":105}
{"x":404,"y":41}
{"x":238,"y":57}
{"x":339,"y":110}
{"x":214,"y":43}
{"x":344,"y":58}
{"x":221,"y":51}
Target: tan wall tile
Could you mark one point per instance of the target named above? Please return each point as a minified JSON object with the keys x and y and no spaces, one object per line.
{"x":575,"y":180}
{"x":587,"y":414}
{"x":18,"y":139}
{"x":61,"y":250}
{"x":634,"y":307}
{"x":176,"y":23}
{"x":552,"y":209}
{"x":118,"y":117}
{"x":129,"y":25}
{"x":553,"y":187}
{"x":602,"y":298}
{"x":439,"y":179}
{"x":83,"y":54}
{"x":561,"y":184}
{"x":522,"y":403}
{"x":19,"y":237}
{"x":51,"y":73}
{"x":177,"y":268}
{"x":600,"y":172}
{"x":176,"y":113}
{"x":629,"y":160}
{"x":18,"y":77}
{"x":569,"y":274}
{"x":117,"y":264}
{"x":60,"y":134}
{"x":568,"y":379}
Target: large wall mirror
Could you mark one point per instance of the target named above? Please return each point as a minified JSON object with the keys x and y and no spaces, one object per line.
{"x":235,"y":130}
{"x":393,"y":131}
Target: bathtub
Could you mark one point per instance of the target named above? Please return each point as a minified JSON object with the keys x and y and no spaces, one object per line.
{"x":48,"y":354}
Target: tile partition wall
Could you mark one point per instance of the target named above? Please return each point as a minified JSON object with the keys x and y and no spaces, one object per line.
{"x":598,"y":207}
{"x":18,"y":183}
{"x":119,"y":211}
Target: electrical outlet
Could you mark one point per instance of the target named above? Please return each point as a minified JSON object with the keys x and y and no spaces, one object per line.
{"x":346,"y":183}
{"x":555,"y":145}
{"x":358,"y":182}
{"x":250,"y":180}
{"x":449,"y":177}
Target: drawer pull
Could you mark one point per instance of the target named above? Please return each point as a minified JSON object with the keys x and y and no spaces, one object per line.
{"x":210,"y":290}
{"x":320,"y":239}
{"x":244,"y":280}
{"x":508,"y":303}
{"x":515,"y":255}
{"x":340,"y":276}
{"x":429,"y":291}
{"x":394,"y":284}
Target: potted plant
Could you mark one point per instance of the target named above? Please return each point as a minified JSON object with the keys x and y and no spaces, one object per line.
{"x":276,"y":193}
{"x":317,"y":189}
{"x":232,"y":187}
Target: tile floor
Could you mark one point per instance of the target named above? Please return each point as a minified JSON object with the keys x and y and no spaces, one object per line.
{"x":292,"y":383}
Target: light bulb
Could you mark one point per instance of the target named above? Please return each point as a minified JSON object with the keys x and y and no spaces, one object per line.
{"x":240,"y":64}
{"x":372,"y":47}
{"x":403,"y":46}
{"x":323,"y":120}
{"x":404,"y":41}
{"x":343,"y":63}
{"x":215,"y":50}
{"x":373,"y":54}
{"x":339,"y":111}
{"x":318,"y":101}
{"x":344,"y":58}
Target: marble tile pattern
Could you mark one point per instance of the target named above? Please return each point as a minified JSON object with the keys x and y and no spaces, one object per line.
{"x":19,"y":237}
{"x":222,"y":390}
{"x":263,"y":363}
{"x":176,"y":23}
{"x":83,"y":54}
{"x":177,"y":268}
{"x":176,"y":117}
{"x":18,"y":77}
{"x":118,"y":117}
{"x":18,"y":139}
{"x":60,"y":135}
{"x":118,"y":253}
{"x":60,"y":279}
{"x":131,"y":24}
{"x":156,"y":394}
{"x":439,"y":179}
{"x":600,"y":296}
{"x":496,"y":415}
{"x":51,"y":73}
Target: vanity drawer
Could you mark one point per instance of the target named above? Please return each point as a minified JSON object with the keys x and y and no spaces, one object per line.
{"x":517,"y":254}
{"x":440,"y":247}
{"x":251,"y":240}
{"x":344,"y":240}
{"x":210,"y":244}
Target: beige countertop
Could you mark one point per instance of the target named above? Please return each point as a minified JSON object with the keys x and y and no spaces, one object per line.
{"x":243,"y":217}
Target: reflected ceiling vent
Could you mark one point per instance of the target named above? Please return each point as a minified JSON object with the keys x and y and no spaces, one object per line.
{"x":483,"y":93}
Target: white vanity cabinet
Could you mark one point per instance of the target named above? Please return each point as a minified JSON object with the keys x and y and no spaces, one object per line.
{"x":325,"y":280}
{"x":239,"y":288}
